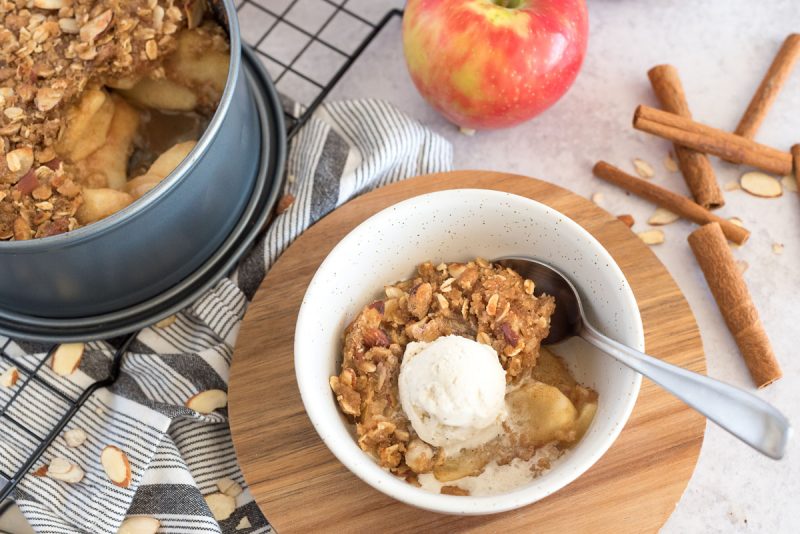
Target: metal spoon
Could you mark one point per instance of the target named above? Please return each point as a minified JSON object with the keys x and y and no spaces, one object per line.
{"x":743,"y":414}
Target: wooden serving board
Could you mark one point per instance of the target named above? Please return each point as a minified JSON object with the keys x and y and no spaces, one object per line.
{"x":301,"y":487}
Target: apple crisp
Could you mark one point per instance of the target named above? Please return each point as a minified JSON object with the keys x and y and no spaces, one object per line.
{"x":80,"y":81}
{"x":483,"y":302}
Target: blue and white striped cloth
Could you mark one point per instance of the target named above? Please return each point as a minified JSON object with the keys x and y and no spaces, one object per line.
{"x":176,"y":454}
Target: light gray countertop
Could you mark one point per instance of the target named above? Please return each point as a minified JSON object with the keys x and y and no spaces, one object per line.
{"x":721,"y":49}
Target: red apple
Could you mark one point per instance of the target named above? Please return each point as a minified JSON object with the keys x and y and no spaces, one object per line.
{"x":494,"y":63}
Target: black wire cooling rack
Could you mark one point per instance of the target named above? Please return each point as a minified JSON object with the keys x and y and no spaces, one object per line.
{"x":286,"y":34}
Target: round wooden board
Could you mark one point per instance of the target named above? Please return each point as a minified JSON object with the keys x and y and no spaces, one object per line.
{"x":301,"y":487}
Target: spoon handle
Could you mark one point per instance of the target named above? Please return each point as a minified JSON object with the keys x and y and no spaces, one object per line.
{"x":743,"y":414}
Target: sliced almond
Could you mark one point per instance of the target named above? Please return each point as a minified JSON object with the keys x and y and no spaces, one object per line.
{"x":777,"y":248}
{"x":95,"y":27}
{"x":662,"y":216}
{"x":243,"y":524}
{"x":229,"y":487}
{"x":284,"y":203}
{"x":221,"y":505}
{"x":670,"y":164}
{"x":115,"y":464}
{"x":165,"y":322}
{"x":208,"y":401}
{"x":643,"y":169}
{"x":67,"y":358}
{"x":627,"y":219}
{"x":72,"y":475}
{"x":74,"y":437}
{"x":789,"y":184}
{"x":41,"y":471}
{"x":58,"y":466}
{"x":652,"y":237}
{"x":761,"y":185}
{"x":139,"y":524}
{"x":9,"y":377}
{"x":731,"y":186}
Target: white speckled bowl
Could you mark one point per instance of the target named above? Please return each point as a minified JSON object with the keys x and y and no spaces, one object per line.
{"x":458,"y":225}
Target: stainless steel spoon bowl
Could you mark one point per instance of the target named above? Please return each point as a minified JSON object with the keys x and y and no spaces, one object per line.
{"x":743,"y":414}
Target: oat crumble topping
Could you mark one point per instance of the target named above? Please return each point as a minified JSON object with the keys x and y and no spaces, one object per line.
{"x":55,"y":58}
{"x":482,"y":301}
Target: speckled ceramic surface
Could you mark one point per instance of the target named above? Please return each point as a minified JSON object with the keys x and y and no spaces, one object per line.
{"x":459,"y":225}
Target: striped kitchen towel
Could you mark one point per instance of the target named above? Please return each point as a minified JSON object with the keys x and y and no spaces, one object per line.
{"x":176,"y":454}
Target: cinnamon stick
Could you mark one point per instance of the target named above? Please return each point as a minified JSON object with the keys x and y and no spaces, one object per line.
{"x":734,"y":302}
{"x":695,"y":167}
{"x":669,"y":200}
{"x":702,"y":138}
{"x":770,"y":87}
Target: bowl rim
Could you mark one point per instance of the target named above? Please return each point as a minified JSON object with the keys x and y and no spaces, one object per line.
{"x":366,"y":469}
{"x":181,"y":172}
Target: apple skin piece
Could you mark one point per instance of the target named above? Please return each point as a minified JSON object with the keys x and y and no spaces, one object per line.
{"x":483,"y":65}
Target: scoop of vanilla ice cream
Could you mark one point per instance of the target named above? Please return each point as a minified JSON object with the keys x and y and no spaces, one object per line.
{"x":453,"y":391}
